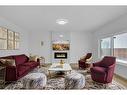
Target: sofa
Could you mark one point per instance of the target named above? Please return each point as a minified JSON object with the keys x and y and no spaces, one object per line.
{"x":22,"y":67}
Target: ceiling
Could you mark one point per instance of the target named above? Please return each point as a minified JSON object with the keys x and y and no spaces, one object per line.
{"x":81,"y":18}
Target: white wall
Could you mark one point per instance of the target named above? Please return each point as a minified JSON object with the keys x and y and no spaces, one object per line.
{"x":115,"y":27}
{"x":23,"y":38}
{"x":80,"y":44}
{"x":35,"y":47}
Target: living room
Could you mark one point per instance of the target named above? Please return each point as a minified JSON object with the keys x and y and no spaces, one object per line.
{"x":64,"y":35}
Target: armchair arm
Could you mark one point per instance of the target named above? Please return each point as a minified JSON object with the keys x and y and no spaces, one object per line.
{"x":97,"y":63}
{"x":11,"y":73}
{"x":110,"y":72}
{"x":110,"y":67}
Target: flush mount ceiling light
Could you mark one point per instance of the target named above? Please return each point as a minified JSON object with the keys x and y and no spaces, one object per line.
{"x":61,"y":21}
{"x":61,"y":36}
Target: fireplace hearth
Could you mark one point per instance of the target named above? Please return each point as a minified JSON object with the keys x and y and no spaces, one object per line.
{"x":60,"y":55}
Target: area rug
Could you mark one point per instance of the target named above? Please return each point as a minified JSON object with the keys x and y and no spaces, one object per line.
{"x":57,"y":83}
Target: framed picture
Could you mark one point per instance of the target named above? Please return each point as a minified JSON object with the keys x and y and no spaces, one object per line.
{"x":16,"y":36}
{"x":3,"y":44}
{"x":10,"y":43}
{"x":8,"y":39}
{"x":3,"y":38}
{"x":60,"y":47}
{"x":3,"y":33}
{"x":16,"y":40}
{"x":10,"y":35}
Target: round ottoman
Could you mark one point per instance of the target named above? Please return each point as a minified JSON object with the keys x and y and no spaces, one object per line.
{"x":74,"y":81}
{"x":34,"y":81}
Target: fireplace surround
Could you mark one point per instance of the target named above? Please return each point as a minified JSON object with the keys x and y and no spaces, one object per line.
{"x":60,"y":45}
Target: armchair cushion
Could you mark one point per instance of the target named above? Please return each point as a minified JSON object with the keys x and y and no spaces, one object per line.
{"x":108,"y":61}
{"x":100,"y":70}
{"x":31,"y":64}
{"x":20,"y":59}
{"x":22,"y":69}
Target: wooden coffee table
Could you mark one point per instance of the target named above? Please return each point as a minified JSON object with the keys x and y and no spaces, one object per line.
{"x":56,"y":67}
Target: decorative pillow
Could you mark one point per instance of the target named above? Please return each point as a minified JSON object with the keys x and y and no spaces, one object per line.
{"x":82,"y":58}
{"x":33,"y":58}
{"x":20,"y":59}
{"x":7,"y":62}
{"x":2,"y":61}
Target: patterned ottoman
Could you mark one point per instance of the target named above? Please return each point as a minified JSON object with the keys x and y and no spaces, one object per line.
{"x":74,"y":81}
{"x":34,"y":81}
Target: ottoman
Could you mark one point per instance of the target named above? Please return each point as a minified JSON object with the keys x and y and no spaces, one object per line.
{"x":34,"y":81}
{"x":74,"y":81}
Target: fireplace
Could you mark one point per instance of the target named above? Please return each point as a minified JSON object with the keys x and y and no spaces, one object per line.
{"x":60,"y":55}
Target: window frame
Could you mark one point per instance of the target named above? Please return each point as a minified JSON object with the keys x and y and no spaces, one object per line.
{"x":112,"y":45}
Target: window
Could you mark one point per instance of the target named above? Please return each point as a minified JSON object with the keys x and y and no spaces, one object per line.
{"x":120,"y":47}
{"x":105,"y":47}
{"x":116,"y":46}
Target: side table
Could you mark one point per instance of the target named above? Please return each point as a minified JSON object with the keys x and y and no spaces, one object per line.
{"x":2,"y":76}
{"x":88,"y":66}
{"x":42,"y":61}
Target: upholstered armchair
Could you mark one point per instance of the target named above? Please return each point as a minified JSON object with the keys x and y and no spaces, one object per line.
{"x":82,"y":62}
{"x":103,"y":70}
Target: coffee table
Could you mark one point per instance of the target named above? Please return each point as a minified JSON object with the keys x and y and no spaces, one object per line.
{"x":57,"y":67}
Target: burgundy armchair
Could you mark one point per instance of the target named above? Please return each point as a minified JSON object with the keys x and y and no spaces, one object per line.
{"x":103,"y":70}
{"x":82,"y":62}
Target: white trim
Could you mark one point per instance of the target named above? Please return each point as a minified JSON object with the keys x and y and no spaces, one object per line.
{"x":121,"y":63}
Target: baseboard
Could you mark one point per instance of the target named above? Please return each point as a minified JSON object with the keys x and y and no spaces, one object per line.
{"x":120,"y":77}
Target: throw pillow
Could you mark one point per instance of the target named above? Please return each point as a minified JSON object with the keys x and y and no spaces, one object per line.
{"x":7,"y":62}
{"x":82,"y":58}
{"x":2,"y":62}
{"x":33,"y":58}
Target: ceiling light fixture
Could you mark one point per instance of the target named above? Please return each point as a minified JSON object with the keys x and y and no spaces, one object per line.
{"x":61,"y":36}
{"x":61,"y":21}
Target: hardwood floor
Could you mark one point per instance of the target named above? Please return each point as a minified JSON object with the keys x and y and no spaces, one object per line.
{"x":120,"y":80}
